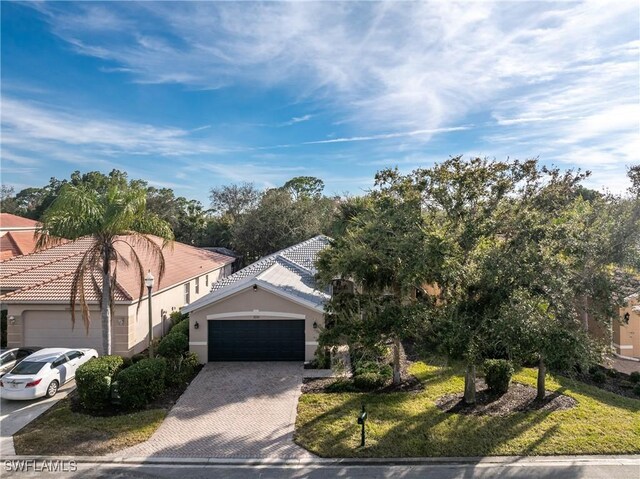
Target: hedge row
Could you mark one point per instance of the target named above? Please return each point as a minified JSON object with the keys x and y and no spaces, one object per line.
{"x":94,"y":379}
{"x":141,"y":383}
{"x":137,"y":381}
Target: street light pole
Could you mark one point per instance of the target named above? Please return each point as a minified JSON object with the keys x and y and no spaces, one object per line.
{"x":148,"y":280}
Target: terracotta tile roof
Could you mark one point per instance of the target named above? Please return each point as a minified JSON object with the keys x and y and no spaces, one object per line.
{"x":47,"y":275}
{"x":17,"y":243}
{"x":8,"y":247}
{"x":58,"y":289}
{"x":7,"y":220}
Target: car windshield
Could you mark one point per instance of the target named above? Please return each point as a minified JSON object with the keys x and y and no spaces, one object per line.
{"x":27,"y":367}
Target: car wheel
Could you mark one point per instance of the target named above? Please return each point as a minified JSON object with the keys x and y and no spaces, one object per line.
{"x":52,"y":389}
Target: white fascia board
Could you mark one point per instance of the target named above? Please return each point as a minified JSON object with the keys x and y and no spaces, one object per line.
{"x":256,"y":312}
{"x":221,"y":294}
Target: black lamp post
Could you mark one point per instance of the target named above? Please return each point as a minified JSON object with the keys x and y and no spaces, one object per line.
{"x":148,"y":280}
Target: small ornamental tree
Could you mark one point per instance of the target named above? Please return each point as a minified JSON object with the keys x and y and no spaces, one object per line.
{"x":379,"y":251}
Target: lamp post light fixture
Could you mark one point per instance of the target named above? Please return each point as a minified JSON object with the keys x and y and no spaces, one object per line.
{"x":148,"y":280}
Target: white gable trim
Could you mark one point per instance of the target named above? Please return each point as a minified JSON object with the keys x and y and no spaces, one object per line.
{"x":224,"y":293}
{"x":256,"y":313}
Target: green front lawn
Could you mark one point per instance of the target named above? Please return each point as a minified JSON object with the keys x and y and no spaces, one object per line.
{"x":60,"y":431}
{"x":410,"y":425}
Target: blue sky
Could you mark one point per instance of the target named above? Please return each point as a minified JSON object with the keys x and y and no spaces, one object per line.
{"x":195,"y":95}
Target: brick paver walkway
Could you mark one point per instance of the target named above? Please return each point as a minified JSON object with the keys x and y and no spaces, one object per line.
{"x":232,"y":410}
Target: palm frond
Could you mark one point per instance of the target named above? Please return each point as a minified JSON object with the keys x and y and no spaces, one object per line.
{"x":75,"y":213}
{"x":151,"y":224}
{"x":88,"y":263}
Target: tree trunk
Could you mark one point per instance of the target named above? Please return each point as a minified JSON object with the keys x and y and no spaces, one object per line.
{"x":470,"y":384}
{"x":396,"y":362}
{"x":106,"y":306}
{"x":542,"y":371}
{"x":585,"y":312}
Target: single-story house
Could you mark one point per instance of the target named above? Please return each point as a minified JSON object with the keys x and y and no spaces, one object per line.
{"x":36,"y":290}
{"x":16,"y":235}
{"x":270,"y":310}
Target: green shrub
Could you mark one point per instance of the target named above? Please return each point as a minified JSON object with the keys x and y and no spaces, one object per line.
{"x":93,"y":381}
{"x":634,"y":377}
{"x":363,"y":367}
{"x":191,"y":361}
{"x":126,"y":362}
{"x":180,"y":328}
{"x":141,"y":383}
{"x":173,"y":345}
{"x":322,"y":358}
{"x":636,"y":389}
{"x":341,"y":386}
{"x":177,"y":317}
{"x":612,"y":373}
{"x":599,"y":376}
{"x":181,"y":370}
{"x":383,"y":370}
{"x":497,"y":373}
{"x":369,"y":381}
{"x":138,"y":357}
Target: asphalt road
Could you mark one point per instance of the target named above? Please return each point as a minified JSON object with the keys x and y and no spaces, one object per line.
{"x":437,"y":471}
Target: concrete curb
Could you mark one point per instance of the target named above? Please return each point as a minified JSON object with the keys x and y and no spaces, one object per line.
{"x":344,"y":462}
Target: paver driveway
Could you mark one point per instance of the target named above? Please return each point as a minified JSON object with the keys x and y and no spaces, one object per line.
{"x":233,"y":410}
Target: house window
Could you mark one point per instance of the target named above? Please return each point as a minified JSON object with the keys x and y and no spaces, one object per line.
{"x":206,"y":280}
{"x":197,"y":285}
{"x":187,"y":293}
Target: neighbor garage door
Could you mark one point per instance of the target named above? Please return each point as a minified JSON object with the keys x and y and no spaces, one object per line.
{"x":52,"y":329}
{"x":256,"y":340}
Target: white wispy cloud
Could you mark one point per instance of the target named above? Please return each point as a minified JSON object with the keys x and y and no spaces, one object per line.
{"x":384,"y":65}
{"x":557,"y":80}
{"x":83,"y":136}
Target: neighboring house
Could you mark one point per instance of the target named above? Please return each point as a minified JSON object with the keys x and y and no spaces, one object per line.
{"x":16,"y":235}
{"x":269,"y":311}
{"x":626,"y":331}
{"x":227,"y":252}
{"x":36,"y":290}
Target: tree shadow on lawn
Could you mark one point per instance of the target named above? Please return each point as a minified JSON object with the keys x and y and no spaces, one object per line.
{"x":431,"y":432}
{"x":608,"y":398}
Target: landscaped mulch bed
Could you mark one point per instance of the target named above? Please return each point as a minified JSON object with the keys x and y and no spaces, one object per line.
{"x":165,"y":401}
{"x":519,"y":398}
{"x":316,"y":385}
{"x":409,"y":383}
{"x":617,"y":384}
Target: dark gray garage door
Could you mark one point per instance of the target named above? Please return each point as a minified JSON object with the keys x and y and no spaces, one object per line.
{"x":256,"y":340}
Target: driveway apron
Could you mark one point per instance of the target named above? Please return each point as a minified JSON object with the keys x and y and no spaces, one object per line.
{"x":232,"y":410}
{"x":14,"y":415}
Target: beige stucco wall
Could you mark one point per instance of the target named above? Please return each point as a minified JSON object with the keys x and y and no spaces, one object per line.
{"x":167,"y":300}
{"x":130,"y":325}
{"x":626,"y":337}
{"x":256,"y":305}
{"x":60,"y":313}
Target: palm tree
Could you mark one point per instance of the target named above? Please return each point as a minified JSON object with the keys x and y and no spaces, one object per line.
{"x":118,"y":215}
